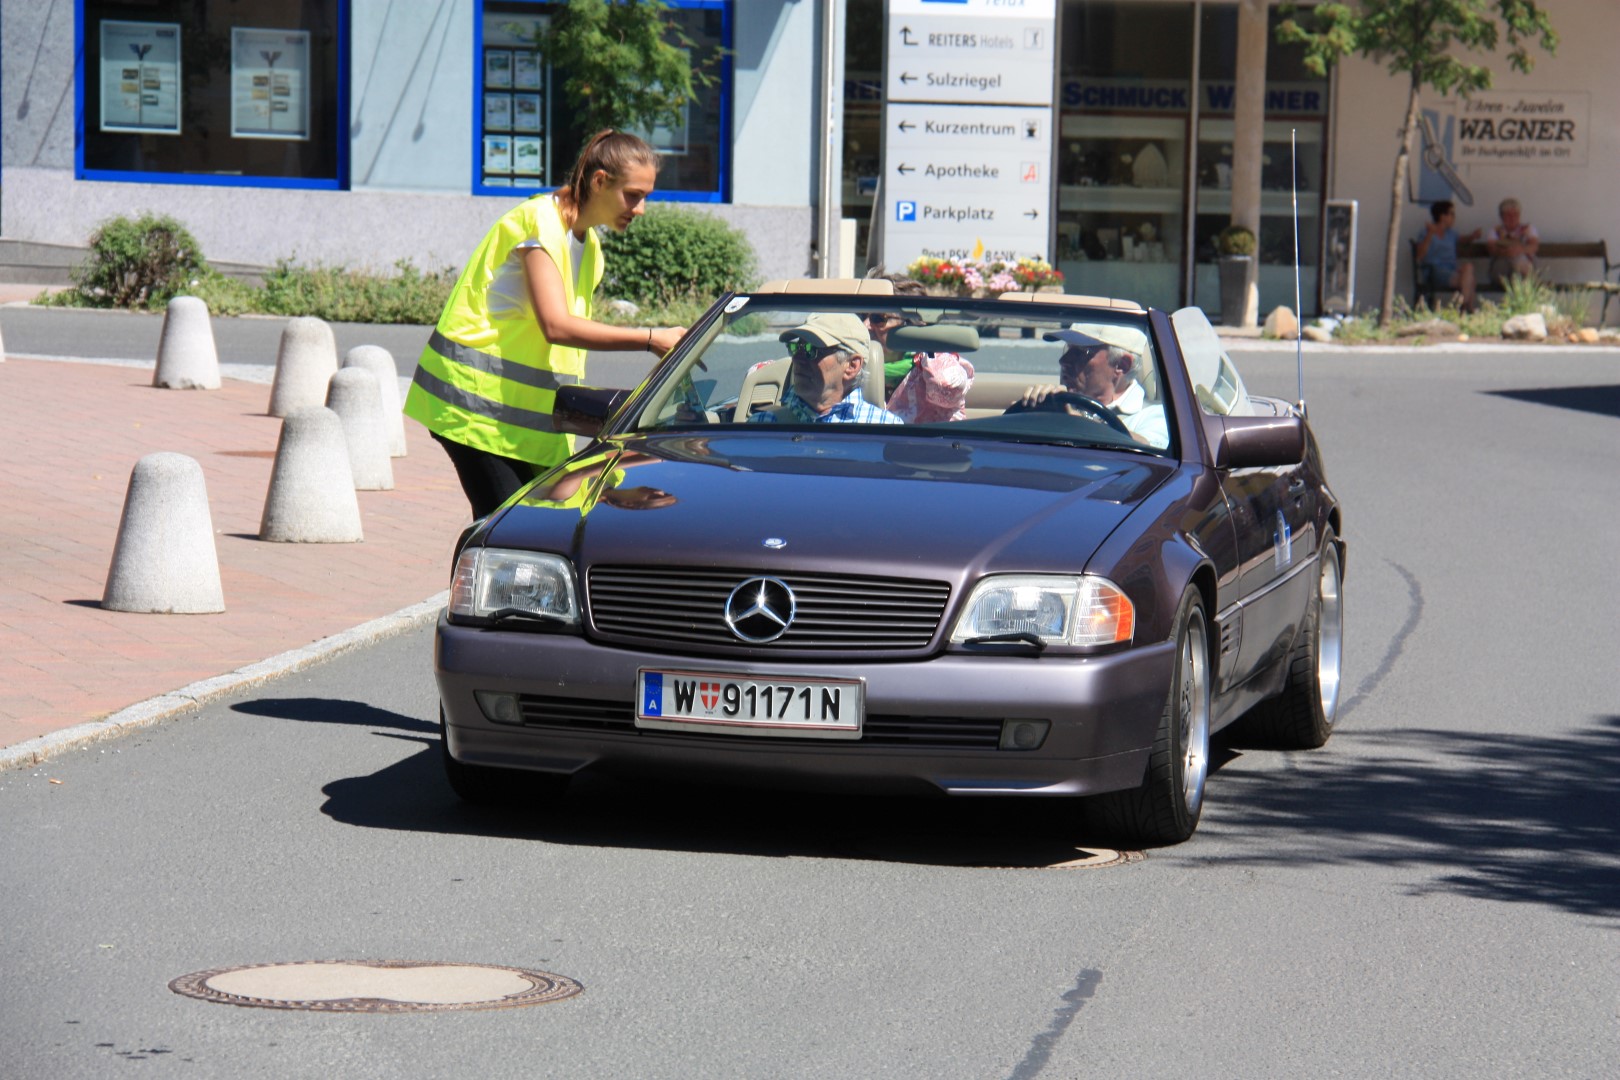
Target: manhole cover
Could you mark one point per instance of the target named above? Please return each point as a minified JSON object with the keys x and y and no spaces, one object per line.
{"x":376,"y":986}
{"x":990,"y":853}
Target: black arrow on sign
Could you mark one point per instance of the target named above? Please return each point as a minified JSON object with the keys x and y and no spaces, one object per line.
{"x":1031,"y":214}
{"x":903,"y":169}
{"x":906,"y":125}
{"x":905,"y":36}
{"x":907,"y":77}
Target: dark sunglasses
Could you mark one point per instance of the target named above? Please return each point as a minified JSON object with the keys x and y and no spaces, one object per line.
{"x":797,"y":348}
{"x":881,"y":319}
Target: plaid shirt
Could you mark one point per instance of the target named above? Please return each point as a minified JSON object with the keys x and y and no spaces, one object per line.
{"x":854,"y":409}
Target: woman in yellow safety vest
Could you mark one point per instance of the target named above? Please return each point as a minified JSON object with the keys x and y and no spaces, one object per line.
{"x":518,"y":324}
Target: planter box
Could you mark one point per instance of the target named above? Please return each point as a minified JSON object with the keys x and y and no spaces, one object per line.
{"x":1240,"y":292}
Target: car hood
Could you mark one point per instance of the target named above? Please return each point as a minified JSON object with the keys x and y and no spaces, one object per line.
{"x":856,"y":503}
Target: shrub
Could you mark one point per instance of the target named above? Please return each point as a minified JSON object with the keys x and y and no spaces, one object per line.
{"x":675,"y":253}
{"x":1235,"y":240}
{"x":337,"y":294}
{"x":140,"y":262}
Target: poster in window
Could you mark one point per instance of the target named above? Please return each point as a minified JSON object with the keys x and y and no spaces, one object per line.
{"x":498,"y":153}
{"x":525,"y":112}
{"x":526,"y":155}
{"x":269,"y":84}
{"x":140,"y":77}
{"x":498,"y":69}
{"x":526,"y":70}
{"x":498,"y":112}
{"x":497,"y":181}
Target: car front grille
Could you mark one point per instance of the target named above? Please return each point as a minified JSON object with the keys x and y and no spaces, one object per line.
{"x":836,"y":612}
{"x":937,"y":732}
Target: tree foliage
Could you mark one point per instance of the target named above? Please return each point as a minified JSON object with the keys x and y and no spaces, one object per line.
{"x":1422,"y":40}
{"x":624,"y":63}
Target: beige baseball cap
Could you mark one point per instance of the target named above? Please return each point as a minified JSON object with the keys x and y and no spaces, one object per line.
{"x":830,"y":329}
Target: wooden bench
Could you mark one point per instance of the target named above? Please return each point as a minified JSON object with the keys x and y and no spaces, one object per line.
{"x":1597,"y":250}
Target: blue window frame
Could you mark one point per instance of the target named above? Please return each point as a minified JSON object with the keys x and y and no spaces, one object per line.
{"x":237,"y":93}
{"x":521,"y":139}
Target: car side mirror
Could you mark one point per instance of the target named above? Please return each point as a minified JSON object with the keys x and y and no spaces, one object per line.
{"x":584,"y":410}
{"x":1256,"y":442}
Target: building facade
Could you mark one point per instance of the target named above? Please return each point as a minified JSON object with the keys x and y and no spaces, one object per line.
{"x":363,"y":132}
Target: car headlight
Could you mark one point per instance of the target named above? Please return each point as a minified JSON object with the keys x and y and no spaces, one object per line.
{"x":492,"y":583}
{"x":1058,"y":609}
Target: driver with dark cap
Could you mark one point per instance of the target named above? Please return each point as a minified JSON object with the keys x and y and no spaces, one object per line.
{"x":829,"y":353}
{"x":1099,"y":363}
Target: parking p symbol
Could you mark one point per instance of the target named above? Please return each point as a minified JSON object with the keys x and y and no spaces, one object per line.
{"x":905,"y":210}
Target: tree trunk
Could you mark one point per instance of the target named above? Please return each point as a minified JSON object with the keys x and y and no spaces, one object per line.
{"x":1396,"y":200}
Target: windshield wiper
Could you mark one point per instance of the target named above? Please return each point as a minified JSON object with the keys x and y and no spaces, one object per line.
{"x":525,"y":615}
{"x":1019,"y":637}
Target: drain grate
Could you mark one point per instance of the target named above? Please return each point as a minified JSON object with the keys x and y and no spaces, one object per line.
{"x":379,"y":986}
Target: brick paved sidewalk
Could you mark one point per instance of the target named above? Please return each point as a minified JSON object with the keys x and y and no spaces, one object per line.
{"x":71,"y":436}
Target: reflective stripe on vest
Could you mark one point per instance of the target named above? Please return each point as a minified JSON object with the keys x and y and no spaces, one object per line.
{"x":479,"y":405}
{"x":494,"y":365}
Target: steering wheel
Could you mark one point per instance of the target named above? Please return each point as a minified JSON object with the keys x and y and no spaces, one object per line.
{"x":1068,"y":398}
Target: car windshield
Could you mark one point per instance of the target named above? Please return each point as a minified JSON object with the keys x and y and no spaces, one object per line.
{"x":1028,"y":372}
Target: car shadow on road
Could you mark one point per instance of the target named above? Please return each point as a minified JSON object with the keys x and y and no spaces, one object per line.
{"x":615,"y":812}
{"x":317,"y":710}
{"x":1603,"y":400}
{"x":1514,"y":818}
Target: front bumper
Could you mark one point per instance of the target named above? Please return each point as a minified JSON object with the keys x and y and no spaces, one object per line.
{"x":1104,"y":713}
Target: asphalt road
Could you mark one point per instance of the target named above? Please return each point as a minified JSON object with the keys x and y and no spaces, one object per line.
{"x":1435,"y":894}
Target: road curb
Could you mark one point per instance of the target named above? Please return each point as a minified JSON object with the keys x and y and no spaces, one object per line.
{"x":177,"y":702}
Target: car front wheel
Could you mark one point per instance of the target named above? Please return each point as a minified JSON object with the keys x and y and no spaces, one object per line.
{"x":1303,"y":715}
{"x":1166,"y":807}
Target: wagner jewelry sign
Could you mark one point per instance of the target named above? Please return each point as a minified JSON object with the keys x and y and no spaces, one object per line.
{"x":1510,"y":128}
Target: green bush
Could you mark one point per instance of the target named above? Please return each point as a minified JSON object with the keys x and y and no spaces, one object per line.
{"x":674,"y":254}
{"x":140,"y":262}
{"x":337,"y":294}
{"x":1235,"y":240}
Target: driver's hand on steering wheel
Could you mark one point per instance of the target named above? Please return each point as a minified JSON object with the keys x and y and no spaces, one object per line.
{"x":1035,"y":395}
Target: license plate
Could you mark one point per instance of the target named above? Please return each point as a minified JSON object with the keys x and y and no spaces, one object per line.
{"x":736,"y":704}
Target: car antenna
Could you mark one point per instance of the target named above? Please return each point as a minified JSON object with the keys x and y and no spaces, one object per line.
{"x":1299,"y":311}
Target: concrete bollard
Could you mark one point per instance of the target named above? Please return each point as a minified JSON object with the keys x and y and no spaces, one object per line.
{"x":380,"y":362}
{"x":353,"y":396}
{"x":311,"y":498}
{"x":305,"y":363}
{"x":164,"y":558}
{"x":187,"y":359}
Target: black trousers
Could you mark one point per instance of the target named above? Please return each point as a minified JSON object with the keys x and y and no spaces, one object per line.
{"x":488,"y":479}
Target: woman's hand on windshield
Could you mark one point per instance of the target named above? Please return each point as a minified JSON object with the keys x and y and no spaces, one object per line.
{"x":665,"y":338}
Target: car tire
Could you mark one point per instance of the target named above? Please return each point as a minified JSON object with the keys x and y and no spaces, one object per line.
{"x":1303,"y":715}
{"x":1166,"y":807}
{"x":486,"y":785}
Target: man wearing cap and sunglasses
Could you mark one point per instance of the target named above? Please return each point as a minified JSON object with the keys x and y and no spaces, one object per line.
{"x":1103,"y":371}
{"x":829,"y":354}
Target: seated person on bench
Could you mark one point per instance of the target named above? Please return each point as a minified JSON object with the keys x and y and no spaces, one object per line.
{"x":1103,"y":371}
{"x":1437,"y":253}
{"x":829,"y":353}
{"x":1513,"y":244}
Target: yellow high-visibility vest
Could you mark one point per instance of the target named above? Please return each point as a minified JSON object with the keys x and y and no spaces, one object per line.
{"x":488,"y":377}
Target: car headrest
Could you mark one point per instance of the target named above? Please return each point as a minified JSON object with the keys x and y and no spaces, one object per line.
{"x":932,"y":339}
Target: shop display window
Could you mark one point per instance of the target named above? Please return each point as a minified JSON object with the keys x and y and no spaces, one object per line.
{"x":1128,"y":165}
{"x":239,"y":92}
{"x":524,"y":135}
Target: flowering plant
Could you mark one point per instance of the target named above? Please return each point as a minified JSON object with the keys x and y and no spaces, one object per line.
{"x":996,"y":276}
{"x":943,"y":272}
{"x":1033,"y":273}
